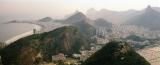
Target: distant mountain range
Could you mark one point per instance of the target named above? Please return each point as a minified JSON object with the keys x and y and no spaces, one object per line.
{"x":147,"y":18}
{"x":85,"y":24}
{"x":111,"y":16}
{"x":116,"y":53}
{"x":150,"y":18}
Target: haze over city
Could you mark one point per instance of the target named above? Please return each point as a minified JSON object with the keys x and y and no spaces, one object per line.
{"x":80,"y":32}
{"x":35,"y":9}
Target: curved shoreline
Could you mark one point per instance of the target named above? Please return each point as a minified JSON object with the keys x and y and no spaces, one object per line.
{"x":36,"y":27}
{"x":39,"y":27}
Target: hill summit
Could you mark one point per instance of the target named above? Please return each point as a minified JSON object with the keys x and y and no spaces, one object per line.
{"x":116,"y":53}
{"x":76,"y":17}
{"x":66,"y":40}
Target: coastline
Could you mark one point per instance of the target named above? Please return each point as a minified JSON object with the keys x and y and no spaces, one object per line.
{"x":39,"y":27}
{"x":18,"y":36}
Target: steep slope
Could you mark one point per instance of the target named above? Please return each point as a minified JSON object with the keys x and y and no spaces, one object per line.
{"x":76,"y":17}
{"x":65,"y":40}
{"x":116,"y":53}
{"x":102,"y":23}
{"x":85,"y":28}
{"x":84,"y":24}
{"x":149,"y":19}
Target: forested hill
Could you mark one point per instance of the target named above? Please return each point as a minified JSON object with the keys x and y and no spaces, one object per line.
{"x":116,"y":53}
{"x":67,"y":40}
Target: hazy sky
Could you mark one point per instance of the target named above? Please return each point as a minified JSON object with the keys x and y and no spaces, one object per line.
{"x":59,"y":8}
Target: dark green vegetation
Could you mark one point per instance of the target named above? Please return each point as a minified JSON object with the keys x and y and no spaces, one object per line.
{"x":135,"y":38}
{"x":116,"y":53}
{"x":80,"y":21}
{"x":85,"y":28}
{"x":67,"y":40}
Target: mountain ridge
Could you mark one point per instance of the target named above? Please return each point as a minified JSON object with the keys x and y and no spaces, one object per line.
{"x":150,"y":18}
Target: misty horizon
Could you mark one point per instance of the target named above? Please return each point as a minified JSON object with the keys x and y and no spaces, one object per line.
{"x":33,"y":9}
{"x":80,"y":32}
